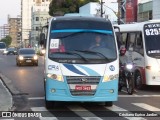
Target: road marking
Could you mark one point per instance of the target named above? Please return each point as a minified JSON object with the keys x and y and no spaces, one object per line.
{"x":135,"y":95}
{"x":78,"y":110}
{"x":48,"y":118}
{"x":36,"y":98}
{"x":146,"y":106}
{"x":118,"y":110}
{"x":38,"y":109}
{"x":43,"y":109}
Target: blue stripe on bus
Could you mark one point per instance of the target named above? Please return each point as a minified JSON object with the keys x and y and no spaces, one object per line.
{"x":73,"y":69}
{"x":82,"y":30}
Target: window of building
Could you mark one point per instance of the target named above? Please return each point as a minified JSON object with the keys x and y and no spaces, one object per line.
{"x":37,"y":28}
{"x":37,"y":18}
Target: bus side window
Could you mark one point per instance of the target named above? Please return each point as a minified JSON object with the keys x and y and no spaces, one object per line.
{"x":139,"y":44}
{"x":124,"y":38}
{"x":130,"y":41}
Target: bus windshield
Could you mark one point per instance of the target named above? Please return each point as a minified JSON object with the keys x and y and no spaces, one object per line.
{"x":80,"y":42}
{"x":152,"y":39}
{"x":2,"y":45}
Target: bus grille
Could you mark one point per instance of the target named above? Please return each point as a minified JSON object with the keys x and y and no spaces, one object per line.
{"x":82,"y":93}
{"x":83,"y":80}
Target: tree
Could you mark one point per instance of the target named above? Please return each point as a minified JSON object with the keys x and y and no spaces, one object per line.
{"x":7,"y":40}
{"x":66,"y":6}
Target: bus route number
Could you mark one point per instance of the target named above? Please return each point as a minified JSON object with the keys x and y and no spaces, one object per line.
{"x":154,"y":31}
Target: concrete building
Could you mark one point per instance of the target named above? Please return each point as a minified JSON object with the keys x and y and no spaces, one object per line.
{"x":4,"y":30}
{"x":26,"y":12}
{"x":40,"y":18}
{"x":15,"y":30}
{"x":94,"y":9}
{"x":145,"y":9}
{"x":156,"y":9}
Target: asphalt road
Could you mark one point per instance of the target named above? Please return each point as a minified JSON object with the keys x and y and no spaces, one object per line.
{"x":28,"y":80}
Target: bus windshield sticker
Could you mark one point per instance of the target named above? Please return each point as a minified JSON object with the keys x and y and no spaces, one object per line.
{"x":54,"y":44}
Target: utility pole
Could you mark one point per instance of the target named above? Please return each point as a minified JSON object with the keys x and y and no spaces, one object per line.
{"x":102,"y":8}
{"x":119,"y":12}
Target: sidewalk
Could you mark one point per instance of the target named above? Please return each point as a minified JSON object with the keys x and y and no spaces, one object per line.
{"x":5,"y":97}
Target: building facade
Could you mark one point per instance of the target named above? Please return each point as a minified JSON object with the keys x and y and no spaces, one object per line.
{"x":26,"y":12}
{"x":39,"y":19}
{"x":4,"y":30}
{"x":145,"y":11}
{"x":110,"y":10}
{"x":156,"y":9}
{"x":15,"y":31}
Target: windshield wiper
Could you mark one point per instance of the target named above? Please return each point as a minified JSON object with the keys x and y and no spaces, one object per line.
{"x":93,"y":52}
{"x":72,"y":53}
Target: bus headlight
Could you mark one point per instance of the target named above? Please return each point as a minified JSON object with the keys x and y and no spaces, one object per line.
{"x":35,"y":57}
{"x":106,"y":78}
{"x":43,"y":51}
{"x":110,"y":77}
{"x":154,"y":68}
{"x":21,"y":58}
{"x":55,"y":77}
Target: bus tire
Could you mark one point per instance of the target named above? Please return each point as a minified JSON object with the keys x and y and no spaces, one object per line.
{"x":49,"y":104}
{"x":138,"y":81}
{"x":109,"y":104}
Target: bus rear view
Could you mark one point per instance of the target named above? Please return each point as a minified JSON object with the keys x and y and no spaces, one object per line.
{"x":81,"y":61}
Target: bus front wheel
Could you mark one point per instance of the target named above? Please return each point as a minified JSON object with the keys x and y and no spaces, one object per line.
{"x":49,"y":104}
{"x":109,"y":104}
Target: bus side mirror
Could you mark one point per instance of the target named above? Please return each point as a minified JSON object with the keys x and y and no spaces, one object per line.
{"x":118,"y":36}
{"x":42,"y":40}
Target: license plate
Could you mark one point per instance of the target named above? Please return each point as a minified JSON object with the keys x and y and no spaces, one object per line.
{"x":28,"y":61}
{"x":81,"y":88}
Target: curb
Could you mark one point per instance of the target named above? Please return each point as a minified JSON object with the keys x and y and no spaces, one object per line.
{"x":6,"y":100}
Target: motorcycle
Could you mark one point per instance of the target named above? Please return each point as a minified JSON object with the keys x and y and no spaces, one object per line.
{"x":126,"y":78}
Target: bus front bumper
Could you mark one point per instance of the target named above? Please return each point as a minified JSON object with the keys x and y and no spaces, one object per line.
{"x":60,"y":91}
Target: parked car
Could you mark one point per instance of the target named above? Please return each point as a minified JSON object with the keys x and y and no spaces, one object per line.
{"x":26,"y":56}
{"x":10,"y":51}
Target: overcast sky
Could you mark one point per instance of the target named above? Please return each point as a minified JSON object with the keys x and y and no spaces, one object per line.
{"x":12,"y":7}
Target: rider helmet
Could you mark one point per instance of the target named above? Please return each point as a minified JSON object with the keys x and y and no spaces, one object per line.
{"x":122,"y":51}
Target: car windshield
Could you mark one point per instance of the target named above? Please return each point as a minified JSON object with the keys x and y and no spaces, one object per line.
{"x":83,"y":45}
{"x":27,"y":51}
{"x":11,"y":49}
{"x":152,"y":39}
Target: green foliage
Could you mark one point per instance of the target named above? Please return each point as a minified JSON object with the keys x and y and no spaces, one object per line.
{"x":67,"y":6}
{"x":7,"y":40}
